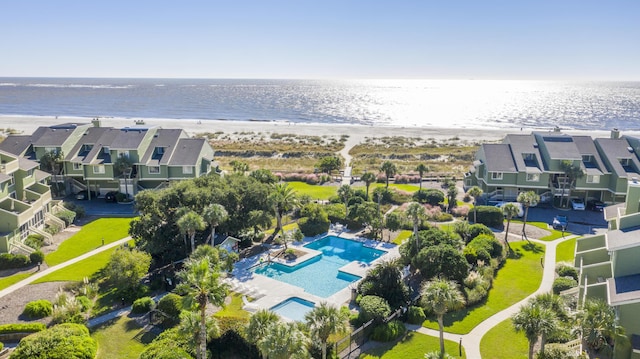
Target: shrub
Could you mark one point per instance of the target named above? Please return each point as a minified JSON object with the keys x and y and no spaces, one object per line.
{"x":443,"y":217}
{"x":563,"y":283}
{"x":1,"y":346}
{"x":429,"y":196}
{"x":52,"y":229}
{"x":61,"y":341}
{"x":38,"y":309}
{"x":313,"y":228}
{"x":171,"y":305}
{"x":79,"y":210}
{"x":67,"y":216}
{"x":567,"y":271}
{"x":85,"y":303}
{"x":388,"y":331}
{"x":35,"y":241}
{"x":490,"y":216}
{"x":10,"y":261}
{"x":374,"y":307}
{"x":477,"y":229}
{"x":415,"y":315}
{"x":22,"y":328}
{"x":462,"y":211}
{"x":142,"y":305}
{"x":36,"y":257}
{"x":555,"y":351}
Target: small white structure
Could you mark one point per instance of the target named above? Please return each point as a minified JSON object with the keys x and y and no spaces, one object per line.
{"x":230,"y":244}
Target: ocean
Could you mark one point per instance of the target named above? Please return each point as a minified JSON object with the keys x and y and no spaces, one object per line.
{"x":423,"y":103}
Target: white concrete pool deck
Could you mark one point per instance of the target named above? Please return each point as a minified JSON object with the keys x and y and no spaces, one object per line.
{"x":270,"y":292}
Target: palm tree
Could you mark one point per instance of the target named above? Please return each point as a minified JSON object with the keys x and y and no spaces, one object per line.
{"x":368,"y":178}
{"x":389,"y":170}
{"x":452,"y":194}
{"x":598,"y":324}
{"x":123,"y":165}
{"x":510,"y":210}
{"x":474,"y":192}
{"x":284,"y":341}
{"x":345,"y":192}
{"x":214,"y":214}
{"x":260,"y":324}
{"x":527,"y":199}
{"x":572,"y":173}
{"x":190,"y":327}
{"x":49,"y":162}
{"x":199,"y":282}
{"x":534,"y":320}
{"x":422,"y":169}
{"x":323,"y":321}
{"x":189,"y":224}
{"x":283,"y":199}
{"x":416,"y":212}
{"x":440,"y":296}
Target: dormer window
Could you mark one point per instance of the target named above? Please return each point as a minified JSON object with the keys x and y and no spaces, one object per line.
{"x":86,"y":148}
{"x":160,"y":150}
{"x":105,"y":150}
{"x":625,"y":162}
{"x":123,"y":154}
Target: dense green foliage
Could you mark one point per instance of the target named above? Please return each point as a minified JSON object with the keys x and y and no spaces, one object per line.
{"x":490,"y":216}
{"x":36,"y":257}
{"x":38,"y":309}
{"x":385,"y":280}
{"x":442,"y":261}
{"x":429,"y":196}
{"x":67,"y":216}
{"x":126,"y":269}
{"x":374,"y":307}
{"x":61,"y":341}
{"x":563,"y":283}
{"x":567,"y":271}
{"x":314,"y":220}
{"x":35,"y":241}
{"x":389,"y":331}
{"x":483,"y":247}
{"x":10,"y":261}
{"x":415,"y":315}
{"x":142,"y":305}
{"x":22,"y":328}
{"x":171,"y":306}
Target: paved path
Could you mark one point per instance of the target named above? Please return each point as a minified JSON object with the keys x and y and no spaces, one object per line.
{"x":54,"y":268}
{"x":344,"y":152}
{"x":117,"y":313}
{"x":471,"y":340}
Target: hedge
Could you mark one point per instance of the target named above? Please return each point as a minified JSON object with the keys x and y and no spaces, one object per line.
{"x":312,"y":228}
{"x":374,"y":307}
{"x":22,"y":328}
{"x":36,"y":257}
{"x":67,"y":216}
{"x":38,"y":309}
{"x":490,"y":216}
{"x":142,"y":305}
{"x":567,"y":271}
{"x":70,"y":341}
{"x":415,"y":315}
{"x":388,"y":331}
{"x":11,"y":261}
{"x":563,"y":283}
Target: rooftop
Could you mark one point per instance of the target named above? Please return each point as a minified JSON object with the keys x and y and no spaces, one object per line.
{"x":624,"y":290}
{"x":622,"y":238}
{"x":499,"y":158}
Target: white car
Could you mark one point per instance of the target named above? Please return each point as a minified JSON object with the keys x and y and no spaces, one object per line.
{"x":517,"y":204}
{"x":577,"y":204}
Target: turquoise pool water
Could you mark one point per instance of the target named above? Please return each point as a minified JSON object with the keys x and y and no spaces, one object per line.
{"x":320,"y":275}
{"x":293,"y":308}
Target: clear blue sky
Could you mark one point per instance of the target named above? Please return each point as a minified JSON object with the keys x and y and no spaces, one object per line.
{"x":511,"y":39}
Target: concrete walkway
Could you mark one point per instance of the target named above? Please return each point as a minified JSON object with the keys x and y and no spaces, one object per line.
{"x":54,"y":268}
{"x":471,"y":340}
{"x":344,"y":152}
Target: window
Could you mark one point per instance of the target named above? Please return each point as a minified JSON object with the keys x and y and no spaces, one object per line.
{"x":154,"y":170}
{"x":625,"y":161}
{"x":533,"y":177}
{"x":98,"y":169}
{"x":496,"y":175}
{"x":160,"y":150}
{"x":51,"y":149}
{"x":187,"y":169}
{"x":12,"y":180}
{"x":77,"y":166}
{"x":123,"y":153}
{"x":105,"y":150}
{"x":86,"y":148}
{"x":593,"y":179}
{"x":528,"y":156}
{"x":587,"y":158}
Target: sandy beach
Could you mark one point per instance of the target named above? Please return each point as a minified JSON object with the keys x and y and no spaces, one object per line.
{"x":357,"y":133}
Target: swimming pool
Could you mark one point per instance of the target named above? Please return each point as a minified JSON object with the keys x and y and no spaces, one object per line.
{"x":320,"y":275}
{"x":293,"y":308}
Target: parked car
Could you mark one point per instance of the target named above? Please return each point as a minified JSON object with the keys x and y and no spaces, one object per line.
{"x":595,"y":205}
{"x":517,"y":204}
{"x":560,"y":222}
{"x":83,"y":195}
{"x":577,"y":204}
{"x":111,"y":196}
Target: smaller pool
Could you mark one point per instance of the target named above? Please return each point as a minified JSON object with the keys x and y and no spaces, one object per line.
{"x":293,"y":308}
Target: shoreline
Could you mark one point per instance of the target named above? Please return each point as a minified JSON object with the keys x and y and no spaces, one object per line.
{"x":28,"y":124}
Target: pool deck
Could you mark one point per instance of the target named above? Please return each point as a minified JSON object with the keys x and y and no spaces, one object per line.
{"x":269,"y":292}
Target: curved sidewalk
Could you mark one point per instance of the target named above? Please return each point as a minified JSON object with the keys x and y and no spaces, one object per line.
{"x":471,"y":340}
{"x":54,"y":268}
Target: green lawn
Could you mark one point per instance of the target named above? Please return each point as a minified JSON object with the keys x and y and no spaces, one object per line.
{"x":566,"y":251}
{"x":76,"y":272}
{"x":518,"y":278}
{"x":413,"y":345}
{"x":234,"y":309}
{"x":315,"y":191}
{"x":120,"y":338}
{"x":11,"y":280}
{"x":89,"y":238}
{"x":503,"y":342}
{"x":402,"y":236}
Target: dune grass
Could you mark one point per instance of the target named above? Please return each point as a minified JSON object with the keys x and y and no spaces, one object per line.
{"x":77,"y":271}
{"x":120,"y":338}
{"x":520,"y":276}
{"x":89,"y":238}
{"x":412,"y":345}
{"x":494,"y":343}
{"x":566,"y":251}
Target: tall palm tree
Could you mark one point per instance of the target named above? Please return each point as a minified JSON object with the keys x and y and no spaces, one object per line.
{"x":572,"y":173}
{"x":189,"y":224}
{"x":452,"y":194}
{"x":510,"y":210}
{"x":214,"y":214}
{"x":201,"y":285}
{"x":475,"y":192}
{"x":123,"y":164}
{"x":345,"y":192}
{"x":389,"y":170}
{"x":284,"y":341}
{"x":527,"y":199}
{"x":422,"y":169}
{"x":283,"y":199}
{"x":440,"y":296}
{"x":534,"y":320}
{"x":598,"y":325}
{"x":323,"y":321}
{"x":416,"y":212}
{"x":190,"y":327}
{"x":368,"y":178}
{"x":260,"y":324}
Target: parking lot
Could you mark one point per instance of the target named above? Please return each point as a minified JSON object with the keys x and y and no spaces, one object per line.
{"x":101,"y":208}
{"x":580,"y":222}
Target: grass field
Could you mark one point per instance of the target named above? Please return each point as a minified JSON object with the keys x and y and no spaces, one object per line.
{"x":402,"y":236}
{"x":494,"y":343}
{"x":315,"y":191}
{"x":413,"y":345}
{"x":121,"y":338}
{"x":234,"y":309}
{"x":79,"y":270}
{"x":518,"y":278}
{"x":89,"y":238}
{"x":11,"y":280}
{"x":566,"y":251}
